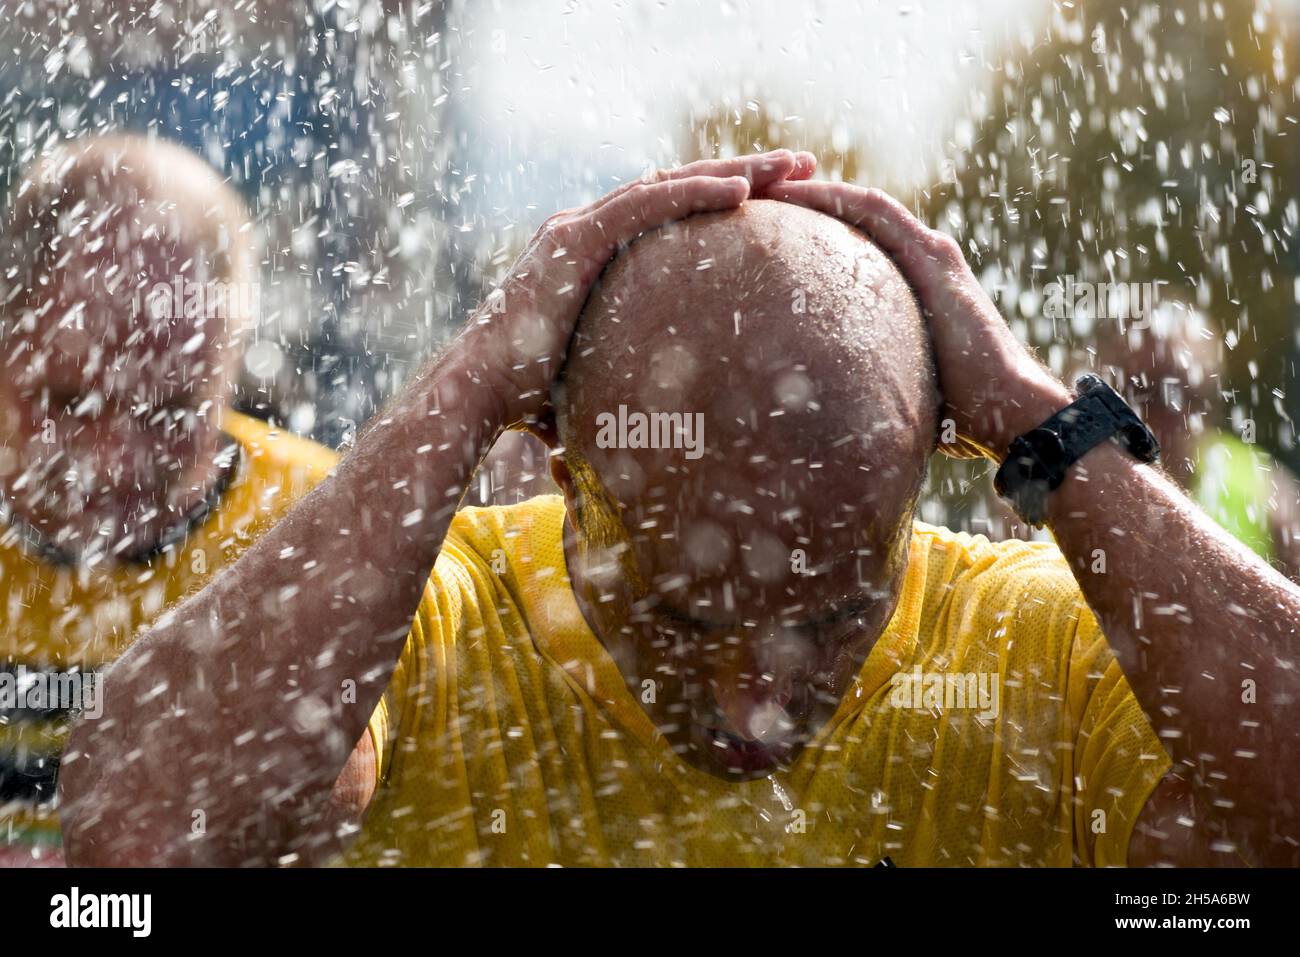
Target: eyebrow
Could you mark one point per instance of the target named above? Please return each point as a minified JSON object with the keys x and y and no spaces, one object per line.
{"x":842,"y":611}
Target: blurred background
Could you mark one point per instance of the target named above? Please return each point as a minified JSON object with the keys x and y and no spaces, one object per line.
{"x":396,"y":156}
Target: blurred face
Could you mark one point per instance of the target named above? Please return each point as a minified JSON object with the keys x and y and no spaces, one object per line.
{"x":740,"y":598}
{"x":108,"y":411}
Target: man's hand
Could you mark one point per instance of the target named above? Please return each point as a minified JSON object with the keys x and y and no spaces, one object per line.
{"x":993,"y":389}
{"x":526,"y":324}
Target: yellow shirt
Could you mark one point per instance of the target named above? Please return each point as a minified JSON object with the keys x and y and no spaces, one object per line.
{"x":65,"y":617}
{"x":507,"y":735}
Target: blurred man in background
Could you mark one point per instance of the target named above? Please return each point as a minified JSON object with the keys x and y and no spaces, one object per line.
{"x":125,"y":478}
{"x":296,"y":105}
{"x":1170,"y":367}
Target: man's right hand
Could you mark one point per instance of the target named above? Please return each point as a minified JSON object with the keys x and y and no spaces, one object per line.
{"x":526,"y":324}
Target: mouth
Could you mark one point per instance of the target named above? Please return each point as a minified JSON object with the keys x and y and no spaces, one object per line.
{"x":742,"y":758}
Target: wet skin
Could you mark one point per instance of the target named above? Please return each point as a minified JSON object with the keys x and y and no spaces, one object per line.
{"x":750,"y":585}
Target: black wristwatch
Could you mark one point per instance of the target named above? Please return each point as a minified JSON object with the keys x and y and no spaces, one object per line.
{"x":1037,"y":461}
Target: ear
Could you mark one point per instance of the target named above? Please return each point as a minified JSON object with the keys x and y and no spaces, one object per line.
{"x":562,"y":477}
{"x":544,"y":429}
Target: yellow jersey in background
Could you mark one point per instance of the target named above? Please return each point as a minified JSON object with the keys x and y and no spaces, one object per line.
{"x":65,"y":618}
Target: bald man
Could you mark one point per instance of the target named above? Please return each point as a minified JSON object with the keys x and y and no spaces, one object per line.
{"x":126,"y":480}
{"x":729,"y":642}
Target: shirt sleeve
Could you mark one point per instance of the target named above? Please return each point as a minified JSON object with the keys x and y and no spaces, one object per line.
{"x":1118,"y":759}
{"x":382,"y":731}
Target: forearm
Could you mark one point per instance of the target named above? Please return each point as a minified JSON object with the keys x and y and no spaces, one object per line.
{"x":235,"y":704}
{"x":1204,"y":629}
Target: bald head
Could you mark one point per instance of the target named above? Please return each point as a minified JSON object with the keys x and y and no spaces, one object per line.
{"x":1170,"y":368}
{"x":746,"y":412}
{"x":123,"y":296}
{"x":1175,"y":346}
{"x":103,"y":220}
{"x":793,"y":336}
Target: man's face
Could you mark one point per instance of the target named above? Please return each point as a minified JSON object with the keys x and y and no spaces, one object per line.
{"x":107,"y":411}
{"x":750,"y":595}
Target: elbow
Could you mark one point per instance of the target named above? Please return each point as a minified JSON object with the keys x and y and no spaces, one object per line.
{"x":95,"y":815}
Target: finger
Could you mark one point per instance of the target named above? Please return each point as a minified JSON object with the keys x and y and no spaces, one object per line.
{"x":761,"y":169}
{"x":562,"y":214}
{"x":622,"y":219}
{"x":878,"y":214}
{"x":805,"y":164}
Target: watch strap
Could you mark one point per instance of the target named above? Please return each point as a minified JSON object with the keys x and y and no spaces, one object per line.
{"x":1037,"y":461}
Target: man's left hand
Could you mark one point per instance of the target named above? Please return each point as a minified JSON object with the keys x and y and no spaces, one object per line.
{"x":993,"y":389}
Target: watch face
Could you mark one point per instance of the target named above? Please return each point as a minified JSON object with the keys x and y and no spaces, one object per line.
{"x":1030,"y":461}
{"x":1031,"y":503}
{"x":1046,"y":452}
